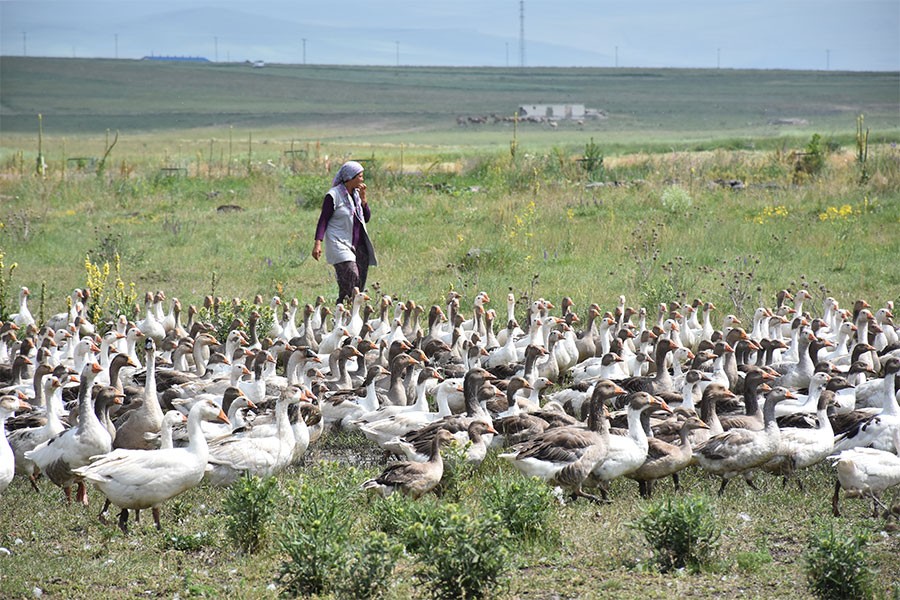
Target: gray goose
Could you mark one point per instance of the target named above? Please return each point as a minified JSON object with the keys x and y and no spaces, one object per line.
{"x":665,"y":459}
{"x":414,"y":479}
{"x":662,"y":380}
{"x":737,"y":451}
{"x":565,"y":456}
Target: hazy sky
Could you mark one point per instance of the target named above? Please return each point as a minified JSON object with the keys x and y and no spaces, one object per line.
{"x":767,"y":34}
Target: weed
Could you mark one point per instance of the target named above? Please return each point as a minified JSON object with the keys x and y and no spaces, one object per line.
{"x":249,"y":506}
{"x":676,"y":199}
{"x":187,"y":542}
{"x":315,"y":538}
{"x":6,"y":306}
{"x":369,"y":567}
{"x":837,"y":566}
{"x":683,"y":533}
{"x":461,"y":553}
{"x":526,"y":507}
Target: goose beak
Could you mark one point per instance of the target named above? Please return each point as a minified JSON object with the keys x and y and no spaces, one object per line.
{"x":222,"y":417}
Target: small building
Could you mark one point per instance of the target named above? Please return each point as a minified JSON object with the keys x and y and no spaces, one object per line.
{"x":551,"y":111}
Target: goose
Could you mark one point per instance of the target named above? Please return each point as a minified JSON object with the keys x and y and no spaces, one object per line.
{"x":341,"y":409}
{"x":426,"y":379}
{"x":8,"y":406}
{"x":231,"y":456}
{"x":664,"y":459}
{"x":401,"y":424}
{"x":797,"y":374}
{"x":23,"y":318}
{"x":753,"y":415}
{"x":417,"y":444}
{"x":74,"y":447}
{"x":626,"y":453}
{"x":738,"y":450}
{"x":506,"y":354}
{"x":414,"y":479}
{"x":566,"y":456}
{"x":29,"y":438}
{"x":861,"y":429}
{"x":801,"y":447}
{"x":165,"y":438}
{"x":865,"y":472}
{"x":662,"y":380}
{"x":147,"y":418}
{"x":876,"y":392}
{"x":805,"y":402}
{"x":141,"y":479}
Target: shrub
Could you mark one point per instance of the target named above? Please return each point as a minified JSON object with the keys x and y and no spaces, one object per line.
{"x":461,"y":553}
{"x":187,"y":542}
{"x":315,"y":539}
{"x":836,"y":566}
{"x":676,"y":199}
{"x":369,"y":566}
{"x":249,"y":506}
{"x":525,"y":506}
{"x":682,"y":533}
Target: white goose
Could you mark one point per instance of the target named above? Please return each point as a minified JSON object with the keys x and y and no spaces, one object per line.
{"x":8,"y":406}
{"x":867,"y":472}
{"x":140,"y":479}
{"x":29,"y":438}
{"x":23,"y":318}
{"x":232,"y":456}
{"x":73,"y":448}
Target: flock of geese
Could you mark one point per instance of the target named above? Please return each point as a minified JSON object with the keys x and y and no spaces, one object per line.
{"x":146,"y":409}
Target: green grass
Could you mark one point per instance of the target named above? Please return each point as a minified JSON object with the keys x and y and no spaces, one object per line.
{"x":450,"y":209}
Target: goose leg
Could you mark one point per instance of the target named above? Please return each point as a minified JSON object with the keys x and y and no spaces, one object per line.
{"x":102,"y":516}
{"x":750,"y":482}
{"x":68,"y":491}
{"x":722,"y":487}
{"x":156,"y":518}
{"x":676,"y":481}
{"x":836,"y":500}
{"x":33,"y":480}
{"x":642,"y":489}
{"x":123,"y":520}
{"x":81,"y":493}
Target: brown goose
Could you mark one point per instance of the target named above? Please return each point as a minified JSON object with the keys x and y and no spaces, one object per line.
{"x":565,"y":456}
{"x":662,"y":380}
{"x":737,"y":451}
{"x":414,"y":479}
{"x":664,"y":459}
{"x":753,"y":417}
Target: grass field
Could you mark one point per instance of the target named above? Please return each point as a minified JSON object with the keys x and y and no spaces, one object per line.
{"x":452,"y":208}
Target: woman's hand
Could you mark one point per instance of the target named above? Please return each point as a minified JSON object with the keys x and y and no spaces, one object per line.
{"x":362,"y":193}
{"x":317,"y":249}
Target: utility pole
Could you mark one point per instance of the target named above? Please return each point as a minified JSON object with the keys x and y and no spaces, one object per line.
{"x":398,"y":52}
{"x":617,"y":57}
{"x":827,"y":60}
{"x":216,"y":45}
{"x":718,"y":58}
{"x":117,"y":44}
{"x":507,"y":54}
{"x":304,"y":51}
{"x":521,"y":33}
{"x":24,"y":43}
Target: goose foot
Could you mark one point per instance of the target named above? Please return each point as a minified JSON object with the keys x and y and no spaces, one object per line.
{"x":677,"y":481}
{"x":123,"y":521}
{"x":155,"y":512}
{"x":722,"y":487}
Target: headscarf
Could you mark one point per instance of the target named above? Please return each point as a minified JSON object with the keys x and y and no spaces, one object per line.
{"x":348,"y":171}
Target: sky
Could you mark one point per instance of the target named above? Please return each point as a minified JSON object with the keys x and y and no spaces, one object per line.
{"x":852,"y":35}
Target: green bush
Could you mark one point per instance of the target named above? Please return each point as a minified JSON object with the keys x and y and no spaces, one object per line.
{"x":461,"y":553}
{"x":836,"y":566}
{"x":676,"y":199}
{"x":526,"y":507}
{"x":315,"y":538}
{"x":249,"y":506}
{"x":682,"y":533}
{"x":369,"y":567}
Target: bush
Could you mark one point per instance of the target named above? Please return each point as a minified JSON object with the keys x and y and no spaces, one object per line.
{"x":836,"y":566}
{"x":369,"y":567}
{"x":461,"y":553}
{"x":315,"y":539}
{"x":676,"y":199}
{"x":249,"y":506}
{"x":682,"y":533}
{"x":525,"y":506}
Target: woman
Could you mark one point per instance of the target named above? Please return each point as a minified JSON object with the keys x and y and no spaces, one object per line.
{"x":342,"y":226}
